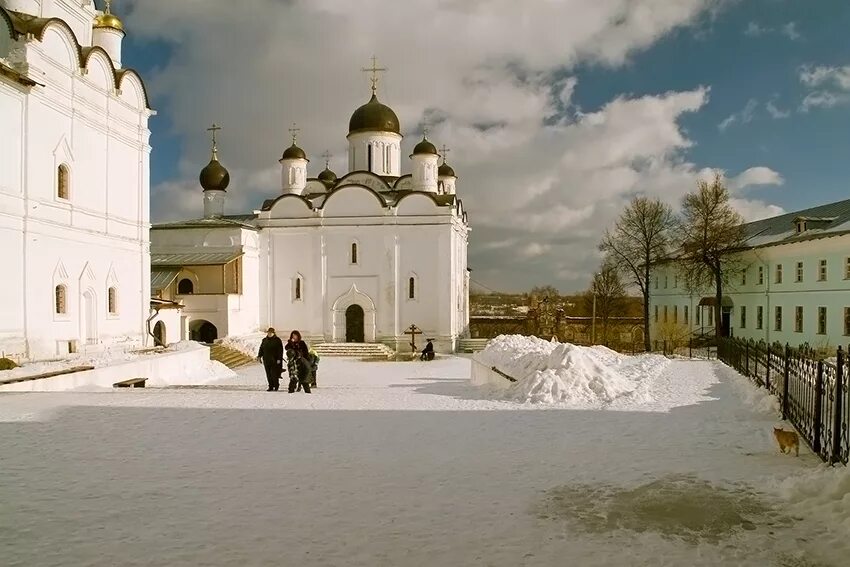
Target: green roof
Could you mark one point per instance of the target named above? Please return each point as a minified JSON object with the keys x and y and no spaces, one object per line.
{"x":832,"y":219}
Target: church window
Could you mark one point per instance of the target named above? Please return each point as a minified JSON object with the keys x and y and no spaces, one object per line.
{"x":297,"y":288}
{"x":112,"y":300}
{"x":63,"y":178}
{"x":411,"y":288}
{"x":353,"y":252}
{"x":185,"y":287}
{"x":369,"y":157}
{"x":61,"y":305}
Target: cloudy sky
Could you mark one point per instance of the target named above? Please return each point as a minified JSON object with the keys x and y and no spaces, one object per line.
{"x":557,"y":112}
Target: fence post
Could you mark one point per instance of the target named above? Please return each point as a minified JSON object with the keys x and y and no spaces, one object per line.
{"x":836,"y":414}
{"x":785,"y":376}
{"x":747,"y":359}
{"x":690,"y":347}
{"x":664,"y":347}
{"x":818,"y":408}
{"x":767,"y":369}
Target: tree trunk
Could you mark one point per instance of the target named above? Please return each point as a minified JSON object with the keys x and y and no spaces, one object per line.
{"x":647,"y":344}
{"x":718,"y":307}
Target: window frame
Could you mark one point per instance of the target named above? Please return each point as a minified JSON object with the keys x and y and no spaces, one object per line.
{"x":112,"y":301}
{"x":778,"y":274}
{"x":63,"y":173}
{"x":822,"y":320}
{"x":777,"y":318}
{"x":800,"y":273}
{"x":60,"y":308}
{"x":759,"y":317}
{"x":822,"y":270}
{"x":743,"y":316}
{"x":798,"y":319}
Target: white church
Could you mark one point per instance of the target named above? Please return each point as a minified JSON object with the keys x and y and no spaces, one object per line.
{"x":355,"y":258}
{"x":360,"y":257}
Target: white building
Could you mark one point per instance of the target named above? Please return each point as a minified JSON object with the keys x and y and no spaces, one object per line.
{"x":359,"y":258}
{"x":791,"y":284}
{"x":74,"y":184}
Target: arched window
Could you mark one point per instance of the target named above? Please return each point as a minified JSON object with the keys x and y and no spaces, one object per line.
{"x":411,"y":288}
{"x":61,"y":306}
{"x":112,"y":300}
{"x":185,"y":287}
{"x":353,"y":252}
{"x":297,"y":288}
{"x":63,"y":182}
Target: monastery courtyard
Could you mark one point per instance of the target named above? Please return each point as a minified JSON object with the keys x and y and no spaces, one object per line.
{"x":393,"y":463}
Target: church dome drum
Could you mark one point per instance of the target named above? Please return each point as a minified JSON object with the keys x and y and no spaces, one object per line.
{"x":214,"y":177}
{"x":374,"y":117}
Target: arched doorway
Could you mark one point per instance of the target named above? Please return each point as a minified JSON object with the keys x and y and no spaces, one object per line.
{"x":185,"y":287}
{"x":354,"y":329}
{"x":159,"y":334}
{"x":203,"y":331}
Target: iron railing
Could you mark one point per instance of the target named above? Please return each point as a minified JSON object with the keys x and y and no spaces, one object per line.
{"x":813,"y":392}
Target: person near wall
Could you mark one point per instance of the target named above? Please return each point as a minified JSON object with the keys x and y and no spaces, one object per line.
{"x":298,"y":363}
{"x":271,"y":355}
{"x":428,"y":351}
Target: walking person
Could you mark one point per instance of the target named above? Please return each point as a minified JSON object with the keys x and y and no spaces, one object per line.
{"x":298,"y":363}
{"x":271,"y":354}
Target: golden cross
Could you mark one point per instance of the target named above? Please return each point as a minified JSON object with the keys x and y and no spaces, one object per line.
{"x":293,"y":131}
{"x":213,"y":129}
{"x":444,"y":151}
{"x":107,"y":9}
{"x":374,"y":69}
{"x":327,"y":156}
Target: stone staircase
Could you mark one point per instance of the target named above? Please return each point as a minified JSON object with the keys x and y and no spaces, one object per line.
{"x":230,"y":357}
{"x":471,"y":345}
{"x":354,"y":350}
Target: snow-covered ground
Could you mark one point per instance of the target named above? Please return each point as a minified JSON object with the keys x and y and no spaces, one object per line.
{"x":682,"y":472}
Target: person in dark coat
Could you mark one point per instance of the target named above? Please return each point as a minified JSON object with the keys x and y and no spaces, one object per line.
{"x":428,"y":351}
{"x":271,"y":354}
{"x":298,"y":363}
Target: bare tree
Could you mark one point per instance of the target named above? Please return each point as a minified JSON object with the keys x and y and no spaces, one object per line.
{"x":641,"y":236}
{"x":545,"y":291}
{"x":710,"y":231}
{"x":610,"y":293}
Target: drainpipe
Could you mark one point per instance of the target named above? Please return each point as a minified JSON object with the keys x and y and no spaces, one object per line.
{"x":154,"y":313}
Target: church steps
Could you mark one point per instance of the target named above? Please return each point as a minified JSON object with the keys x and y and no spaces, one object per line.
{"x":471,"y":345}
{"x":231,"y":358}
{"x":355,"y":350}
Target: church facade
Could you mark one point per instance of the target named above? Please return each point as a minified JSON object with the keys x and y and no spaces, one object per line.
{"x":74,"y":184}
{"x":355,"y":258}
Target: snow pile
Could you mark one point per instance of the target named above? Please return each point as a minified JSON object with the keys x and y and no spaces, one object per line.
{"x":824,"y":494}
{"x":550,"y":372}
{"x":246,"y":344}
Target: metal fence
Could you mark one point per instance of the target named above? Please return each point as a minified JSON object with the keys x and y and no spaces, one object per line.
{"x":813,"y":392}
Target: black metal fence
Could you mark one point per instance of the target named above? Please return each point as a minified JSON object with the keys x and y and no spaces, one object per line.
{"x":813,"y":392}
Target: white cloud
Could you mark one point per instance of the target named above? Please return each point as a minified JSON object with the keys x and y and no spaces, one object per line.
{"x":755,"y":210}
{"x":492,"y":79}
{"x":775,"y":111}
{"x":823,"y":99}
{"x":822,"y":75}
{"x":754,"y":29}
{"x":744,"y":116}
{"x":790,"y":31}
{"x":755,"y":176}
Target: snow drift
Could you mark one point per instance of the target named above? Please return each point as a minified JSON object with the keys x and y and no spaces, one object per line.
{"x":561,"y":373}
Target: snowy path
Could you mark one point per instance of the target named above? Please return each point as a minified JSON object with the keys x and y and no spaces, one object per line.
{"x":231,"y":474}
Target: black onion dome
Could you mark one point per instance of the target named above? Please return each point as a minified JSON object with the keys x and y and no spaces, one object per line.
{"x":294,"y":152}
{"x":424,"y":147}
{"x":445,"y":170}
{"x":327,"y":176}
{"x":374,"y":117}
{"x":214,"y":177}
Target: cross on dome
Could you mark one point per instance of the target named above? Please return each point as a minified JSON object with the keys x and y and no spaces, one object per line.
{"x":212,"y":130}
{"x":293,"y":131}
{"x":444,"y":151}
{"x":327,"y":156}
{"x":374,"y":69}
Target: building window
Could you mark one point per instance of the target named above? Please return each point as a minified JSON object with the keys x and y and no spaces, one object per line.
{"x":112,"y":300}
{"x":799,"y":272}
{"x":847,"y":268}
{"x":411,"y":288}
{"x":297,"y":288}
{"x":847,"y":320}
{"x":798,"y":319}
{"x":743,"y":316}
{"x":675,"y":313}
{"x":777,"y":319}
{"x":711,"y":316}
{"x":61,"y":300}
{"x":665,"y":313}
{"x":353,"y":252}
{"x":185,"y":287}
{"x":822,"y":271}
{"x":759,"y":317}
{"x":63,"y":182}
{"x":761,"y":275}
{"x":744,"y":276}
{"x":665,"y":282}
{"x":676,"y":281}
{"x":686,"y":315}
{"x":656,"y":313}
{"x":369,"y":157}
{"x":656,"y":282}
{"x":821,"y":320}
{"x":778,"y":273}
{"x":698,"y":315}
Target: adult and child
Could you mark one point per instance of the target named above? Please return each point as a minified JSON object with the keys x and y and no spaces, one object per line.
{"x":301,"y":362}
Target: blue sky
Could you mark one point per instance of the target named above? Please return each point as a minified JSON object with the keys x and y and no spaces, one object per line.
{"x":749,"y":54}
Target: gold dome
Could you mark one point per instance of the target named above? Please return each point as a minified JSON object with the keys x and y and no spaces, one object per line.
{"x":108,"y":20}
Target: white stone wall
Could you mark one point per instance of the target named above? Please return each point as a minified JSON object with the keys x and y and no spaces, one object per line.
{"x":98,"y":237}
{"x":386,"y":153}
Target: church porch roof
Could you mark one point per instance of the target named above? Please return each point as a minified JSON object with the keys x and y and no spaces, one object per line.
{"x":159,"y":259}
{"x":161,"y":278}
